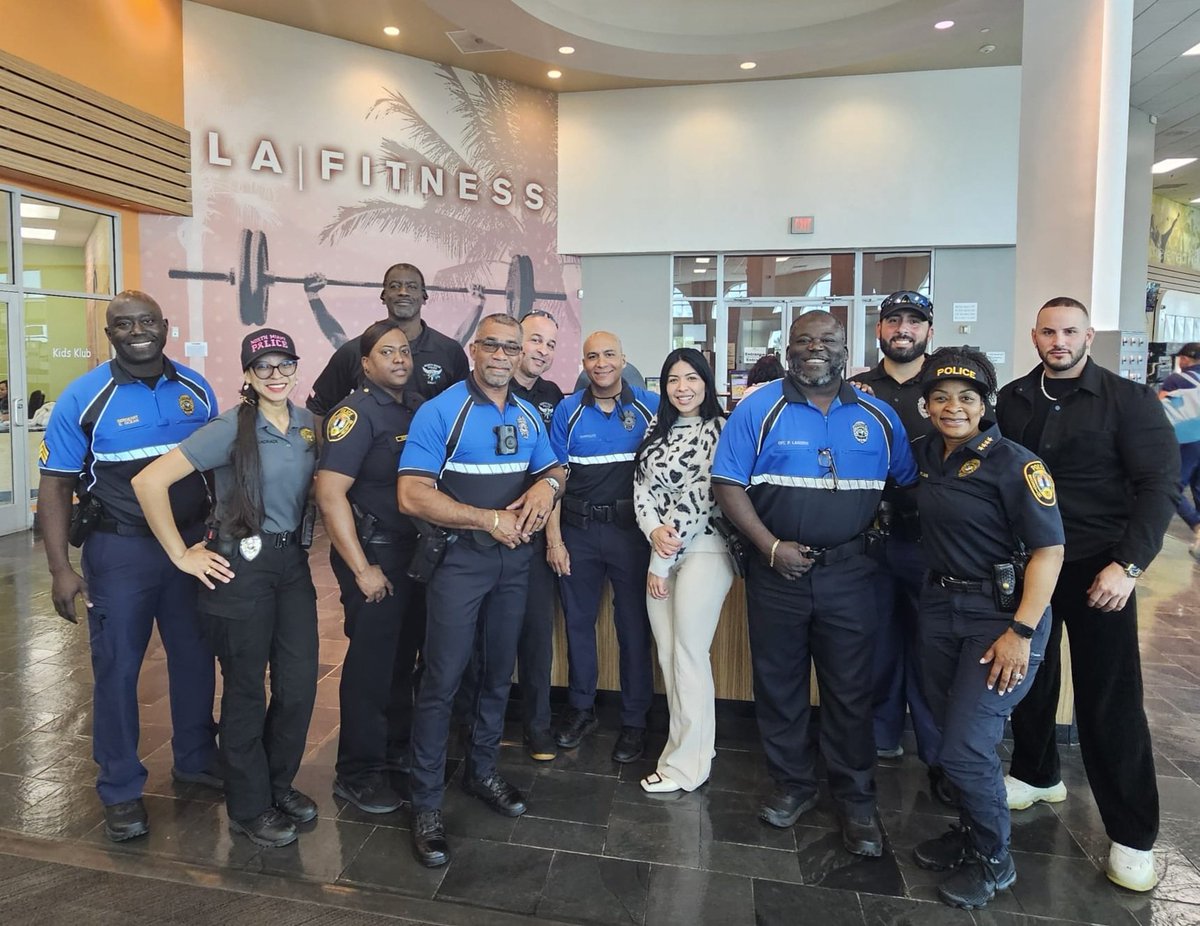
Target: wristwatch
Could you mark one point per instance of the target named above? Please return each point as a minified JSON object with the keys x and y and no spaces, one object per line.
{"x":1024,"y":631}
{"x":554,"y":484}
{"x":1131,"y":570}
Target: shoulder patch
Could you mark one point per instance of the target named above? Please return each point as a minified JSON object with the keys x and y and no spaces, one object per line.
{"x":1040,"y":483}
{"x":341,"y":424}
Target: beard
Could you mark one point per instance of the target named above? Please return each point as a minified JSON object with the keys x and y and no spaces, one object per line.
{"x":1061,"y":366}
{"x":903,"y":354}
{"x":806,"y":378}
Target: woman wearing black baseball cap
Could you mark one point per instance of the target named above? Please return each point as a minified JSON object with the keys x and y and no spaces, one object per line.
{"x":984,"y":501}
{"x":261,"y":609}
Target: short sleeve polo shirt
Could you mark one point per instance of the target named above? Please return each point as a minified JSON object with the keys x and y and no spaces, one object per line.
{"x":454,"y":440}
{"x":107,"y":426}
{"x":543,"y":395}
{"x":813,"y":477}
{"x":600,"y":447}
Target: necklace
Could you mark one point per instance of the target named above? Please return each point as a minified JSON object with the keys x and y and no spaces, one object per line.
{"x":1043,"y":386}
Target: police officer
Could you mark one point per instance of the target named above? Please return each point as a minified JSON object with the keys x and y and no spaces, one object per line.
{"x":477,"y":463}
{"x":372,"y":546}
{"x":904,"y":330}
{"x":799,"y":470}
{"x":535,"y":651}
{"x":262,"y":612}
{"x":983,"y":632}
{"x":106,"y":426}
{"x":596,"y":431}
{"x":438,"y":360}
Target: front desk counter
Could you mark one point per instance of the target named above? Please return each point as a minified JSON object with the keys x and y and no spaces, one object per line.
{"x":730,"y":655}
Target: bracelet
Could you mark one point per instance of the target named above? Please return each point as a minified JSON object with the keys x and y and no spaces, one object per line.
{"x":555,"y":546}
{"x":495,"y":521}
{"x":774,"y":547}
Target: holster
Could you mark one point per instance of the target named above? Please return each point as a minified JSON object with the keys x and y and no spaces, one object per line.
{"x":1007,"y":582}
{"x":432,"y":541}
{"x":85,"y":518}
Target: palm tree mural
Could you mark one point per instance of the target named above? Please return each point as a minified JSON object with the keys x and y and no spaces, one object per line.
{"x":507,"y":130}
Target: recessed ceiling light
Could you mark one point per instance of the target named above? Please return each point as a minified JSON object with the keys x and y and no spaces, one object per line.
{"x":567,"y":50}
{"x":699,"y":270}
{"x":1196,"y":200}
{"x":944,"y":24}
{"x":1194,"y":50}
{"x":987,"y":49}
{"x":554,"y":74}
{"x":38,"y":211}
{"x":391,"y":30}
{"x":780,"y":260}
{"x":1166,"y":165}
{"x":984,"y":31}
{"x":748,"y":65}
{"x":703,"y":260}
{"x":39,"y":234}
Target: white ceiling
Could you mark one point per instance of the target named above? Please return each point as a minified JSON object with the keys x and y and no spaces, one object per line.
{"x":639,"y":43}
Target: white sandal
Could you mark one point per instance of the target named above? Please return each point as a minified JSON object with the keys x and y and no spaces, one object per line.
{"x":654,"y":783}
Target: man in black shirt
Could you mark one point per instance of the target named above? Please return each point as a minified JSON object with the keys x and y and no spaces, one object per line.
{"x":438,"y":360}
{"x":1115,"y":461}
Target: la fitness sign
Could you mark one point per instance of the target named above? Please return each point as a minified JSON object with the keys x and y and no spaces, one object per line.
{"x":330,"y":165}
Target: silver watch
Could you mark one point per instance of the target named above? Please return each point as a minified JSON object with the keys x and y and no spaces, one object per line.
{"x":554,"y":484}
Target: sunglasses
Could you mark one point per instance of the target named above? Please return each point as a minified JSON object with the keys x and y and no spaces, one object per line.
{"x":491,"y":345}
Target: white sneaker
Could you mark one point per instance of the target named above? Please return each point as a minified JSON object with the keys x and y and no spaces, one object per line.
{"x":1022,"y":796}
{"x":1132,"y":869}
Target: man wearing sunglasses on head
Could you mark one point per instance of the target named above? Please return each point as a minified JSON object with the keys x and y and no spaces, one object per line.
{"x":799,"y":471}
{"x":438,"y":360}
{"x":478,"y":464}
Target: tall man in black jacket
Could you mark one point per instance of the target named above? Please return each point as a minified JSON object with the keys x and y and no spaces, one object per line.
{"x":1116,"y":465}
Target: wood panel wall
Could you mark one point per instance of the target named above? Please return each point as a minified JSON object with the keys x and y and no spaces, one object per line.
{"x":61,"y":132}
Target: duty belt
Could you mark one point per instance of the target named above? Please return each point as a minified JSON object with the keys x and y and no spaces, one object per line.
{"x":112,"y":526}
{"x":382,"y":536}
{"x":827,"y":556}
{"x":951,"y":584}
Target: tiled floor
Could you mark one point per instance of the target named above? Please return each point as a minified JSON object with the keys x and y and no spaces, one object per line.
{"x":593,"y":848}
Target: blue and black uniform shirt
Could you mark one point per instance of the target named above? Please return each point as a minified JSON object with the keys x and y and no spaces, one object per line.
{"x":598,"y":447}
{"x":977,"y":503}
{"x":454,"y":439}
{"x":813,"y":477}
{"x":363,"y":440}
{"x":108,"y":425}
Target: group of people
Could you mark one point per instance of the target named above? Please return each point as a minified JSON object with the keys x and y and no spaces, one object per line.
{"x":896,"y":531}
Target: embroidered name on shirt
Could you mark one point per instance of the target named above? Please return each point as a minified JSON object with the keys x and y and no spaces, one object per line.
{"x":128,"y":420}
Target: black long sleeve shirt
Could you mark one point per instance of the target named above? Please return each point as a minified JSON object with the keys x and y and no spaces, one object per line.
{"x":1113,"y":456}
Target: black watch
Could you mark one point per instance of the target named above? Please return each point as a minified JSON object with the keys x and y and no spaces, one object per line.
{"x":1024,"y":631}
{"x":1131,"y":569}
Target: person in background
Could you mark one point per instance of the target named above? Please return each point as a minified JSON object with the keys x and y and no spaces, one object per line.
{"x":690,"y":570}
{"x":1189,"y":453}
{"x":766,"y":369}
{"x":985,"y":502}
{"x":261,"y":613}
{"x":128,"y":583}
{"x":372,"y":544}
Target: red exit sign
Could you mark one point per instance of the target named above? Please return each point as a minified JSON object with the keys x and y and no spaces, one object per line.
{"x":801,"y":225}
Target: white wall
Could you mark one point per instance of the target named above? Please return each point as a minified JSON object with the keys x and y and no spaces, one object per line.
{"x":892,"y":160}
{"x":1139,"y":189}
{"x":985,"y":276}
{"x":631,"y":297}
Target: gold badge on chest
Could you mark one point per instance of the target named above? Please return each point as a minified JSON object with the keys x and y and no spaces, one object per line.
{"x":186,"y":405}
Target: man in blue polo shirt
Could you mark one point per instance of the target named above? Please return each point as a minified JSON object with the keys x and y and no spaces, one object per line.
{"x":107,"y":425}
{"x":596,"y":432}
{"x":477,"y":463}
{"x":799,"y":470}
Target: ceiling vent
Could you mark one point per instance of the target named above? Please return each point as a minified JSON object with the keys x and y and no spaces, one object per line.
{"x":470,"y":44}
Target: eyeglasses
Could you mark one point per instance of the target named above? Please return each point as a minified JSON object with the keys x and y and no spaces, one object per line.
{"x":491,"y":345}
{"x":126,"y":324}
{"x":538,"y":313}
{"x":263,"y":370}
{"x":825,"y":458}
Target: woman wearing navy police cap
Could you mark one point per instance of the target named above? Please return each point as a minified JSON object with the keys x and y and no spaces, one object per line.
{"x":984,"y":501}
{"x":261,"y":612}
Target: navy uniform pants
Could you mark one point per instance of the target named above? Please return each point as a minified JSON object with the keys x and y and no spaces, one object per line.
{"x":266,"y":617}
{"x":1114,"y":737}
{"x":535,"y":649}
{"x":896,"y":677}
{"x":477,"y":590}
{"x":824,"y":615}
{"x":602,"y":551}
{"x":376,"y":688}
{"x":132,"y":584}
{"x":957,"y":628}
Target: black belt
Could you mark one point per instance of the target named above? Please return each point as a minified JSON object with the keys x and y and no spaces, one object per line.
{"x":111,"y":526}
{"x":827,"y":556}
{"x":951,"y":584}
{"x":383,"y":537}
{"x":279,"y":541}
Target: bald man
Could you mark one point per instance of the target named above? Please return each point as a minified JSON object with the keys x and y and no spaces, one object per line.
{"x":596,"y":433}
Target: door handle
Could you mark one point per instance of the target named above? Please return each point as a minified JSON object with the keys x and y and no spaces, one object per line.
{"x":17,"y":418}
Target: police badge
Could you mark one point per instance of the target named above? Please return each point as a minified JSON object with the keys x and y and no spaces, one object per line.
{"x":522,"y":427}
{"x":250,"y":547}
{"x":860,"y":431}
{"x":627,"y":419}
{"x":186,"y":405}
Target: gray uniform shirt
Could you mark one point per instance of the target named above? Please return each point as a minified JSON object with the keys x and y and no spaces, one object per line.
{"x":288,"y":462}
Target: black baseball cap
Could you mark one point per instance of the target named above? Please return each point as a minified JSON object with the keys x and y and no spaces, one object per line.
{"x":907,"y":299}
{"x":954,"y":368}
{"x":267,"y":341}
{"x":1191,"y":350}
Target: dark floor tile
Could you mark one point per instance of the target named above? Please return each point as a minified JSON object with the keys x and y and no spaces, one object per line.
{"x":905,"y":787}
{"x":573,"y":796}
{"x":1068,"y":889}
{"x":68,"y":812}
{"x":1186,"y":699}
{"x":589,"y":889}
{"x":895,"y":911}
{"x":386,"y":860}
{"x":1179,"y":797}
{"x":1040,"y":830}
{"x":922,"y":885}
{"x":15,"y":722}
{"x":209,"y":841}
{"x":559,"y":834}
{"x":466,"y":815}
{"x":323,"y":851}
{"x":593,"y":756}
{"x":503,"y":877}
{"x":1155,"y":912}
{"x":991,"y":916}
{"x":170,"y":822}
{"x":905,"y":830}
{"x":738,"y":770}
{"x":777,"y":904}
{"x":728,"y":816}
{"x":752,"y":861}
{"x":689,"y":897}
{"x":35,"y":752}
{"x":1167,"y":675}
{"x":824,"y":861}
{"x":654,"y":834}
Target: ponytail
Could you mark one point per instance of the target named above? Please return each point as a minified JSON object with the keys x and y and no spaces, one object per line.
{"x":245,"y":508}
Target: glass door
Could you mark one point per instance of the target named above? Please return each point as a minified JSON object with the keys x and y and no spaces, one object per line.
{"x":17,"y":458}
{"x":840,"y":307}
